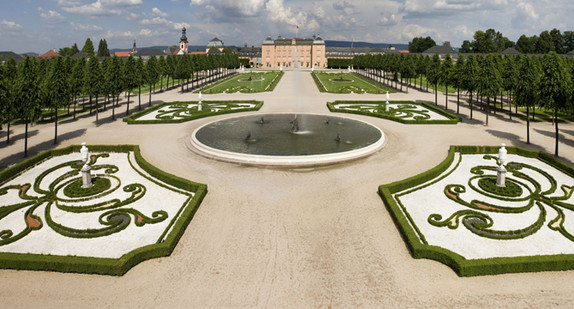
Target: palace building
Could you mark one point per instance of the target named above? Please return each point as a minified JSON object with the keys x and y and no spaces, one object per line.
{"x":294,"y":53}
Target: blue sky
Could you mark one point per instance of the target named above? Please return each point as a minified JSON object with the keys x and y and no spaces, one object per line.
{"x":33,"y":25}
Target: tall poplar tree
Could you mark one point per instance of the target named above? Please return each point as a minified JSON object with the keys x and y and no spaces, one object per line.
{"x":128,"y":78}
{"x":555,"y":87}
{"x":446,"y":76}
{"x":27,"y":94}
{"x":152,"y":75}
{"x":527,"y":87}
{"x":57,"y":89}
{"x":9,"y":109}
{"x":88,"y":48}
{"x":434,"y":75}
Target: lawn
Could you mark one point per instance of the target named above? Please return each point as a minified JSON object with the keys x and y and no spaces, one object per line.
{"x":245,"y":83}
{"x":347,"y":83}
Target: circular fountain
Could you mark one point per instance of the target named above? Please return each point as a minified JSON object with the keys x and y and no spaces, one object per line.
{"x":287,"y":139}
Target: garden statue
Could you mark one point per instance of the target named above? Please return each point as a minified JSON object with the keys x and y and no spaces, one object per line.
{"x":387,"y":102}
{"x":84,"y":152}
{"x":199,"y":105}
{"x":501,"y":170}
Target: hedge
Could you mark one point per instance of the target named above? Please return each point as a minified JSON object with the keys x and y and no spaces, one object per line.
{"x":105,"y":266}
{"x":462,"y":266}
{"x":452,"y":119}
{"x":133,"y":118}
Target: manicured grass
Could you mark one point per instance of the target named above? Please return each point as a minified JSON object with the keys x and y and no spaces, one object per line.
{"x":347,"y":83}
{"x":260,"y":82}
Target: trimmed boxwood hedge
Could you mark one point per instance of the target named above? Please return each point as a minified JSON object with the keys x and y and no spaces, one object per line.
{"x":452,"y":119}
{"x":105,"y":266}
{"x":462,"y":266}
{"x":133,"y":118}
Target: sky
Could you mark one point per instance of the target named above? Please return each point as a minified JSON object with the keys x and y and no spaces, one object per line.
{"x":38,"y":26}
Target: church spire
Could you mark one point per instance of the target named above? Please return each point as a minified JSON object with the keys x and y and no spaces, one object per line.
{"x":183,"y":44}
{"x":134,"y":50}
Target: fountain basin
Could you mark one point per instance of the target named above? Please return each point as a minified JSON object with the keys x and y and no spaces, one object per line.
{"x":287,"y":139}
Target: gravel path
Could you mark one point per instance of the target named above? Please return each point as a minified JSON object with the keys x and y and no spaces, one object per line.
{"x":279,"y":238}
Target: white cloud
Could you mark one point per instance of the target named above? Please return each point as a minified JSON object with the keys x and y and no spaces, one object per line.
{"x":158,"y":12}
{"x":344,"y":6}
{"x":230,"y":7}
{"x":283,"y":15}
{"x":51,"y":17}
{"x":90,"y":28}
{"x":99,"y":7}
{"x":9,"y":25}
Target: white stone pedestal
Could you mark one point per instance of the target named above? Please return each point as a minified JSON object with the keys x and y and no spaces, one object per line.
{"x":86,"y":177}
{"x":501,"y":176}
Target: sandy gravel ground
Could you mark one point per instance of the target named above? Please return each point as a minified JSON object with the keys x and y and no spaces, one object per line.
{"x":280,"y":238}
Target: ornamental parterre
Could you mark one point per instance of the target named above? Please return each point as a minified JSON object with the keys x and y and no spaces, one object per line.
{"x":401,"y":111}
{"x":463,"y":211}
{"x":44,"y":210}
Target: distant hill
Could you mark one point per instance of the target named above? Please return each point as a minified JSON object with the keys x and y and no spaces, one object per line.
{"x":399,"y":46}
{"x":33,"y":54}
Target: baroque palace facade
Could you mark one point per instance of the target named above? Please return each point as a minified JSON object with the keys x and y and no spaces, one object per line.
{"x":293,"y":53}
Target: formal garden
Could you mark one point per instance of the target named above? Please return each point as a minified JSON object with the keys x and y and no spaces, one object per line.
{"x":130,"y":211}
{"x":459,"y":214}
{"x":245,"y":83}
{"x":346,"y":83}
{"x":401,"y":111}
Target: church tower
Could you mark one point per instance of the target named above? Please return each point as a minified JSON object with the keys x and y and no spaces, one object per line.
{"x":183,"y":45}
{"x":134,"y":50}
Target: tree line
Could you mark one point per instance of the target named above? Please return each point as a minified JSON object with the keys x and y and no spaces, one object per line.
{"x":34,"y":86}
{"x":492,"y":41}
{"x":521,"y":81}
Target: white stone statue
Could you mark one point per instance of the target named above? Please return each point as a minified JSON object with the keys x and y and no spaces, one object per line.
{"x":86,"y":176}
{"x":387,"y":96}
{"x":501,"y":176}
{"x":84,"y":152}
{"x":502,"y":154}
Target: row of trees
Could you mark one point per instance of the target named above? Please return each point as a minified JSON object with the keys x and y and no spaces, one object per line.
{"x":34,"y":86}
{"x":492,"y":41}
{"x":88,"y":49}
{"x":529,"y":81}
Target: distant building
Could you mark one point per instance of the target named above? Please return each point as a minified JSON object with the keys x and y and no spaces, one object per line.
{"x":183,"y":43}
{"x":251,"y":53}
{"x":8,"y":54}
{"x":49,"y":54}
{"x":511,"y":51}
{"x":295,"y":52}
{"x":442,"y":51}
{"x":215,"y":46}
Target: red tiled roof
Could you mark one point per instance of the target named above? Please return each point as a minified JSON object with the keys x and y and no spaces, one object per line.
{"x":123,"y":54}
{"x":49,"y":54}
{"x":198,"y":53}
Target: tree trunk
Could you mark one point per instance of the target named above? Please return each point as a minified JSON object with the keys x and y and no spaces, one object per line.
{"x":26,"y":140}
{"x":556,"y":132}
{"x":91,"y":105}
{"x":128,"y":104}
{"x":150,"y":89}
{"x":446,"y":101}
{"x":161,"y":83}
{"x":470,"y":100}
{"x":75,"y":104}
{"x":97,"y":113}
{"x":435,"y":94}
{"x":527,"y":124}
{"x":487,"y":109}
{"x":8,"y":131}
{"x":114,"y":106}
{"x":56,"y":126}
{"x":494,"y":104}
{"x":140,"y":97}
{"x":457,"y":100}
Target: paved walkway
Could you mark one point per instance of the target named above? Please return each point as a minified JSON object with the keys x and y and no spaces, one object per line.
{"x":279,"y":238}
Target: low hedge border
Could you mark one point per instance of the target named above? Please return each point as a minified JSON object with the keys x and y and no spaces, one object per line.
{"x":452,"y":119}
{"x":133,"y":118}
{"x":275,"y":81}
{"x":105,"y":266}
{"x":475,"y":267}
{"x":319,"y":83}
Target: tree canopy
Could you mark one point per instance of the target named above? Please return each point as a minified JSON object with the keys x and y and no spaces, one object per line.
{"x":420,"y":44}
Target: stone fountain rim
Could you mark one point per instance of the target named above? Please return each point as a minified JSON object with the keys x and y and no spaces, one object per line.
{"x":284,"y":161}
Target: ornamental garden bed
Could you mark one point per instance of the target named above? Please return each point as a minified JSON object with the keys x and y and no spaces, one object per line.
{"x":134,"y":211}
{"x":347,"y":83}
{"x":176,"y":112}
{"x":455,"y":215}
{"x":260,"y":82}
{"x":408,"y":112}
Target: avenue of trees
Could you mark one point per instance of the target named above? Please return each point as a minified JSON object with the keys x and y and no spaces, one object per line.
{"x":492,"y":41}
{"x":491,"y":82}
{"x":48,"y":88}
